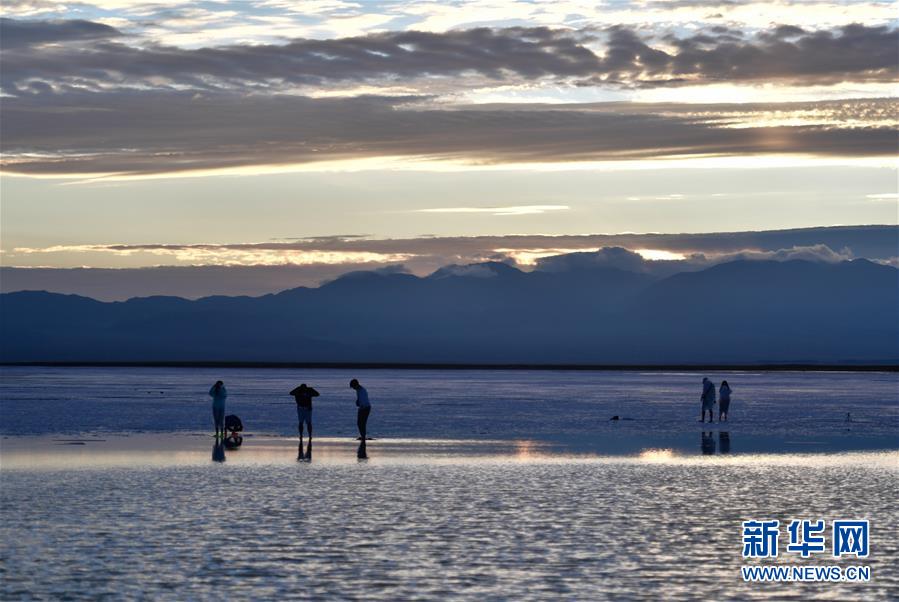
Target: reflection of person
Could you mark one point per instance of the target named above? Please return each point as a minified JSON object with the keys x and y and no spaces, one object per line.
{"x":708,"y":443}
{"x":723,"y":400}
{"x":218,"y":450}
{"x":364,"y":410}
{"x":361,"y":452}
{"x":724,"y":442}
{"x":301,"y":457}
{"x":707,"y":399}
{"x":303,"y":396}
{"x":218,"y":394}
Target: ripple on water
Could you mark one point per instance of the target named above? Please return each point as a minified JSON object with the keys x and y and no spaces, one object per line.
{"x":582,"y":530}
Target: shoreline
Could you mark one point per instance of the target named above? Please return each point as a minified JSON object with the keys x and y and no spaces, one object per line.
{"x":763,"y":367}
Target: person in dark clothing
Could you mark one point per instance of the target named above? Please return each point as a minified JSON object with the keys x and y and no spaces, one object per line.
{"x":707,"y":399}
{"x":364,"y":409}
{"x":303,"y":396}
{"x":723,"y":401}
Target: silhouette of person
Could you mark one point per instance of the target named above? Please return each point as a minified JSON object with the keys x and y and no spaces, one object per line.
{"x":303,"y":396}
{"x":724,"y":442}
{"x":362,"y":413}
{"x":707,"y":444}
{"x":218,"y":450}
{"x":707,"y":399}
{"x":218,"y":394}
{"x":723,"y":401}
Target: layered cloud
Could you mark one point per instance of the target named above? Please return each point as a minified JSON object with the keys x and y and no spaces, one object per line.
{"x":89,"y":98}
{"x":83,"y":54}
{"x":153,"y":132}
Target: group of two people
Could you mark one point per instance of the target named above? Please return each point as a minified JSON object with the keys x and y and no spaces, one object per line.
{"x":303,"y":396}
{"x":708,"y":400}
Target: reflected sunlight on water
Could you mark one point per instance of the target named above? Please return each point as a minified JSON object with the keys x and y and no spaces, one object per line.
{"x":657,"y":455}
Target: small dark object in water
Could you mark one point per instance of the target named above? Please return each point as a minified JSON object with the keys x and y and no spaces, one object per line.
{"x":614,"y":418}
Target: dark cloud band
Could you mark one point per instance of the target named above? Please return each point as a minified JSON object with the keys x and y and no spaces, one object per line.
{"x":616,"y":56}
{"x":24,"y":34}
{"x":149,"y":132}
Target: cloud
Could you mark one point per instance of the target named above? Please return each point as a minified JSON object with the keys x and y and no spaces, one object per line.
{"x":158,"y":132}
{"x":606,"y":257}
{"x":84,"y":99}
{"x":865,"y":241}
{"x":17,"y":34}
{"x":652,"y":263}
{"x":615,"y":56}
{"x":424,"y":254}
{"x":245,"y":254}
{"x":819,"y":252}
{"x":496,"y":54}
{"x":513,"y":210}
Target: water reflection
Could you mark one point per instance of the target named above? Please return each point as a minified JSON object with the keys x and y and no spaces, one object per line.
{"x":724,"y":442}
{"x":657,"y":455}
{"x":707,"y":444}
{"x":412,"y":530}
{"x":183,"y":450}
{"x":362,"y":453}
{"x":218,"y":450}
{"x":304,"y":457}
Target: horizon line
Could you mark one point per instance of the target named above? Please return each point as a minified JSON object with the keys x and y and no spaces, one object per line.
{"x":886,"y":366}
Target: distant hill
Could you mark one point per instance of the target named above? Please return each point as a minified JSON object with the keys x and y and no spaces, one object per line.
{"x":738,"y":312}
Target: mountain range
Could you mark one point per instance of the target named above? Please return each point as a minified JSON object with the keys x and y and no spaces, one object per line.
{"x":741,"y":312}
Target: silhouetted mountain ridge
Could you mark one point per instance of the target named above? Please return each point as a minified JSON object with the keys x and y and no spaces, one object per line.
{"x":737,"y":312}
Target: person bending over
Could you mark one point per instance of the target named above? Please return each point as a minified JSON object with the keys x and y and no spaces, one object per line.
{"x":303,"y":396}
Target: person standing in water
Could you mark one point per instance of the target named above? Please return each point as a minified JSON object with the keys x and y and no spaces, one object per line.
{"x":364,"y":406}
{"x":303,"y":396}
{"x":218,"y":394}
{"x":723,"y":401}
{"x":707,"y":399}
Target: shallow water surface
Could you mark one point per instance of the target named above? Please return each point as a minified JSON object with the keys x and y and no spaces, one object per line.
{"x":580,"y":528}
{"x":461,"y":404}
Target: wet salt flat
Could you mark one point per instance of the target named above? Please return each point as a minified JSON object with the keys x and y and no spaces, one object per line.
{"x":466,"y":404}
{"x":498,"y":485}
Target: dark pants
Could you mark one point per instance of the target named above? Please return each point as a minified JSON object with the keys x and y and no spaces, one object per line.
{"x":362,"y":420}
{"x":218,"y":416}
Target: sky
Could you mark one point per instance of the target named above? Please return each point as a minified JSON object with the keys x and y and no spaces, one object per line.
{"x":286,"y":142}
